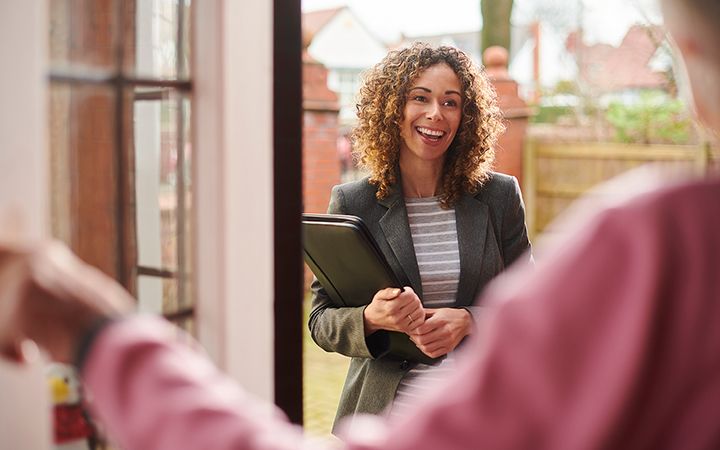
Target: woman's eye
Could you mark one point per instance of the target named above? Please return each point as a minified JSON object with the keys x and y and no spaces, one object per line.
{"x":451,"y":103}
{"x":419,"y":98}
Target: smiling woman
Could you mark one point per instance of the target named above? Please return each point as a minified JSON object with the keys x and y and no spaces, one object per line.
{"x":427,"y":123}
{"x":394,"y":92}
{"x":430,"y":121}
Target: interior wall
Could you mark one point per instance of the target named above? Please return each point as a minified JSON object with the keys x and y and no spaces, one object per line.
{"x":24,"y":410}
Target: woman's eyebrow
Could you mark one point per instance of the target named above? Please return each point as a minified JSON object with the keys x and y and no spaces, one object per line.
{"x":429,"y":91}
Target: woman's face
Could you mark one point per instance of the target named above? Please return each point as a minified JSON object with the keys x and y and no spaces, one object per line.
{"x":431,"y":116}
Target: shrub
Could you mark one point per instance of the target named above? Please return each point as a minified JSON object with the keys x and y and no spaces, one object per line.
{"x":550,"y":114}
{"x":653,"y":118}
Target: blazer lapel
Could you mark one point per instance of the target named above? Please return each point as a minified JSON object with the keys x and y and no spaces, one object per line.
{"x":394,"y":224}
{"x":471,"y":218}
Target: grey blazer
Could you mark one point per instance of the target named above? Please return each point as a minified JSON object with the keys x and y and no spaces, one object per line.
{"x":491,"y":235}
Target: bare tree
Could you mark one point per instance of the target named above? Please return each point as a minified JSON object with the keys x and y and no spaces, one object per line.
{"x":496,"y":23}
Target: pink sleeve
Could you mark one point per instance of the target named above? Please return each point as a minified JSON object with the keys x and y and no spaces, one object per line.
{"x":614,"y":344}
{"x":153,"y":392}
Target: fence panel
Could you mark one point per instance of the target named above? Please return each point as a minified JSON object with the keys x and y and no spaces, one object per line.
{"x":556,"y":173}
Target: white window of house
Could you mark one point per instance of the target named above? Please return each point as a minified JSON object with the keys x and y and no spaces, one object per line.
{"x":346,"y":82}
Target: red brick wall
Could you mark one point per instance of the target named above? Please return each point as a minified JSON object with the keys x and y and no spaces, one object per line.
{"x":321,"y":166}
{"x":509,"y":150}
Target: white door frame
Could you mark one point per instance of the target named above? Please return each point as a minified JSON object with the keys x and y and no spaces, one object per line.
{"x":233,"y":187}
{"x":25,"y":408}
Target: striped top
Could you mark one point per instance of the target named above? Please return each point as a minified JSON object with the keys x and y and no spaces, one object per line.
{"x":434,"y":236}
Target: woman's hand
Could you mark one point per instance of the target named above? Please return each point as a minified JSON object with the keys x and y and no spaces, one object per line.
{"x":442,"y":331}
{"x":391,"y":309}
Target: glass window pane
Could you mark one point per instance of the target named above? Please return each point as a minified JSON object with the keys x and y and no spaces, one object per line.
{"x":187,"y":299}
{"x":83,"y":34}
{"x":163,"y":198}
{"x":186,"y":48}
{"x":155,"y":130}
{"x":160,"y":51}
{"x":157,"y":295}
{"x":83,"y":186}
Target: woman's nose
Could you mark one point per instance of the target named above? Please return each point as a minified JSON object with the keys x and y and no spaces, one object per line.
{"x":433,"y":111}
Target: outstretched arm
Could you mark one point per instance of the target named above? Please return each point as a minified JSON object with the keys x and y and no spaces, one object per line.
{"x":614,"y":343}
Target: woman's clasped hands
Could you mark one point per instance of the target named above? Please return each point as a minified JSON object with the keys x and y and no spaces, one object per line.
{"x":436,"y":331}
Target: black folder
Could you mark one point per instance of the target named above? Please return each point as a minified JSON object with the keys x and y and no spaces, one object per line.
{"x":345,"y":258}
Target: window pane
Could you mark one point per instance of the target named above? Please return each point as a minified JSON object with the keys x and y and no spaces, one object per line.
{"x":158,"y":51}
{"x":82,"y":34}
{"x":163,"y":199}
{"x":157,"y":295}
{"x":156,"y":177}
{"x":83,"y":184}
{"x":187,"y":299}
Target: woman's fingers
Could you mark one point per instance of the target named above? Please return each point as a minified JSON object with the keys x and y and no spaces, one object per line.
{"x":394,"y":309}
{"x":387,"y":294}
{"x":443,"y":330}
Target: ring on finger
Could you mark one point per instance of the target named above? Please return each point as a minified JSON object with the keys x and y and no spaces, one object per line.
{"x":410,"y":318}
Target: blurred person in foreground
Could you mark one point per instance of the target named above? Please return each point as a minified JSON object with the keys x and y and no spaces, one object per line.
{"x":428,"y":122}
{"x":612,"y":343}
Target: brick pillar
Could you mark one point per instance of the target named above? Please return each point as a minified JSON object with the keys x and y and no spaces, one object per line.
{"x":321,"y":165}
{"x":509,"y":150}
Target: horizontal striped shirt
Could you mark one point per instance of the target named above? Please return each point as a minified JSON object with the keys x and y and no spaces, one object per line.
{"x":434,"y":235}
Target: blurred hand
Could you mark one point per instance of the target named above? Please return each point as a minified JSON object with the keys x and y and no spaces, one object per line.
{"x":442,"y":331}
{"x":393,"y":310}
{"x":47,"y":295}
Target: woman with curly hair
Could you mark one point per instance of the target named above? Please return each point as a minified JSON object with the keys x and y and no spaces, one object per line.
{"x":428,"y":120}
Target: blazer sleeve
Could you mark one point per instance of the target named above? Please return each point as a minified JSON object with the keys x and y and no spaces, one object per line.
{"x":333,"y":328}
{"x":514,"y":234}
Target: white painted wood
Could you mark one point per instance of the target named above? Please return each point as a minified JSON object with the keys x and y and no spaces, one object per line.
{"x":25,"y":408}
{"x":233,"y":197}
{"x":345,"y":43}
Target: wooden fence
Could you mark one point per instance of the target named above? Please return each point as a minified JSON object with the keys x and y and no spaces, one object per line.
{"x":555,"y":174}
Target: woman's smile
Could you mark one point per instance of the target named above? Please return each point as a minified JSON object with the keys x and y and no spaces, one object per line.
{"x":430,"y":134}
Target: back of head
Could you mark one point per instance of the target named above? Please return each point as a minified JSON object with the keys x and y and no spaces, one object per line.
{"x":701,"y":17}
{"x":695,"y":28}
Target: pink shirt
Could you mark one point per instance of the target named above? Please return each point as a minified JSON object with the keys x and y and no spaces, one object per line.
{"x":615,"y":343}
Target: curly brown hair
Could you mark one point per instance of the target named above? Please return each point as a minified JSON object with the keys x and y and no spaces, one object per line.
{"x":381,"y":102}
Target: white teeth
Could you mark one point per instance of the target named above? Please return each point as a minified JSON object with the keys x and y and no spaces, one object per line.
{"x":430,"y":132}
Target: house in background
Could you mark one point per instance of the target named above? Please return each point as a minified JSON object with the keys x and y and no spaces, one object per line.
{"x":641,"y":62}
{"x":534,"y":67}
{"x":341,"y":42}
{"x":541,"y":61}
{"x":468,"y":41}
{"x":541,"y":57}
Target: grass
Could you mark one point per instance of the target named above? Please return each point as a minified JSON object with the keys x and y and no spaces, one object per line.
{"x":323,"y":377}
